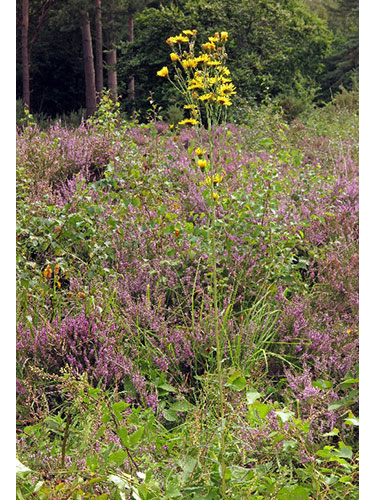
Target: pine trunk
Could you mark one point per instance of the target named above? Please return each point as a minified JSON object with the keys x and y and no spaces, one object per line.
{"x":25,"y":54}
{"x":131,"y":40}
{"x":99,"y":47}
{"x":88,"y":63}
{"x":112,"y":73}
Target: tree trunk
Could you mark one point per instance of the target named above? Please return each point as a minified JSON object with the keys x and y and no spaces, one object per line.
{"x":112,"y":73}
{"x":25,"y":54}
{"x":131,"y":40}
{"x":99,"y":47}
{"x":88,"y":63}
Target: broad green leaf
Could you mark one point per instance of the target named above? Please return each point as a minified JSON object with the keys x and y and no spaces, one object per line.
{"x":251,"y":396}
{"x":170,"y":415}
{"x":334,"y":432}
{"x":166,"y":387}
{"x":343,"y":451}
{"x":181,"y":406}
{"x":122,"y":433}
{"x":352,"y":421}
{"x":236,"y":381}
{"x":263,"y":410}
{"x":118,"y":408}
{"x":284,"y":415}
{"x":21,"y":468}
{"x":322,"y":384}
{"x":289,"y":445}
{"x":118,"y":457}
{"x":345,"y":479}
{"x":135,"y":437}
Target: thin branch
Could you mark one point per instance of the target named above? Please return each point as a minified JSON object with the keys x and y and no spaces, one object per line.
{"x":46,"y":7}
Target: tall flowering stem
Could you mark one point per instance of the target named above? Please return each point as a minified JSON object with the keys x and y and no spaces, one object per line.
{"x":204,"y":81}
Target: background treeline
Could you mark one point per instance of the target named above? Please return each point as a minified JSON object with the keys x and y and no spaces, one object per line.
{"x":293,"y":51}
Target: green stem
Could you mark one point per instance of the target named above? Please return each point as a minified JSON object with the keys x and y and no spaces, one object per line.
{"x":216,"y":311}
{"x":65,"y":439}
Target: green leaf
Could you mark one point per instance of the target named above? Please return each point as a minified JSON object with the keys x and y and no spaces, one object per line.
{"x":289,"y":444}
{"x":187,"y":464}
{"x":352,"y":421}
{"x":122,"y":433}
{"x":336,"y":405}
{"x":332,"y":479}
{"x":348,"y":382}
{"x":118,"y":408}
{"x":181,"y":406}
{"x":135,"y":437}
{"x":170,"y":415}
{"x":297,"y":493}
{"x":263,"y":410}
{"x":343,"y":452}
{"x":322,"y":384}
{"x":92,"y":462}
{"x":236,"y":381}
{"x":166,"y":387}
{"x":118,"y":457}
{"x":251,"y":396}
{"x":334,"y":432}
{"x":284,"y":415}
{"x":21,"y":468}
{"x":345,"y":479}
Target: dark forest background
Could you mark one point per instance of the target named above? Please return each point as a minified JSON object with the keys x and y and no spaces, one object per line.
{"x":295,"y":52}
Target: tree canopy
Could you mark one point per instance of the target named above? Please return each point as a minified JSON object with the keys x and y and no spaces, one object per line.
{"x":275,"y":47}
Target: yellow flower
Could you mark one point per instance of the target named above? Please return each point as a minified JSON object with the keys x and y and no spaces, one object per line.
{"x":187,"y":121}
{"x":213,"y":63}
{"x":207,"y":97}
{"x":171,"y":40}
{"x":227,"y":89}
{"x":224,"y":70}
{"x":202,"y":163}
{"x":224,"y":36}
{"x":190,"y":106}
{"x":212,"y":80}
{"x":57,"y":269}
{"x":189,"y":63}
{"x":163,"y":72}
{"x":47,"y":273}
{"x":208,"y":46}
{"x":196,"y":83}
{"x":200,"y":152}
{"x":225,"y":101}
{"x":207,"y":181}
{"x":59,"y":284}
{"x":188,"y":32}
{"x":217,"y":178}
{"x":213,"y":39}
{"x":216,"y":196}
{"x":174,"y":57}
{"x":180,"y":38}
{"x":204,"y":58}
{"x":224,"y":80}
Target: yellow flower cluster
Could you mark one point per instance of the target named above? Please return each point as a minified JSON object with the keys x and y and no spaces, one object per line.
{"x":203,"y":79}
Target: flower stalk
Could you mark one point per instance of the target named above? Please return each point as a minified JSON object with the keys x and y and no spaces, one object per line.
{"x":204,"y":82}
